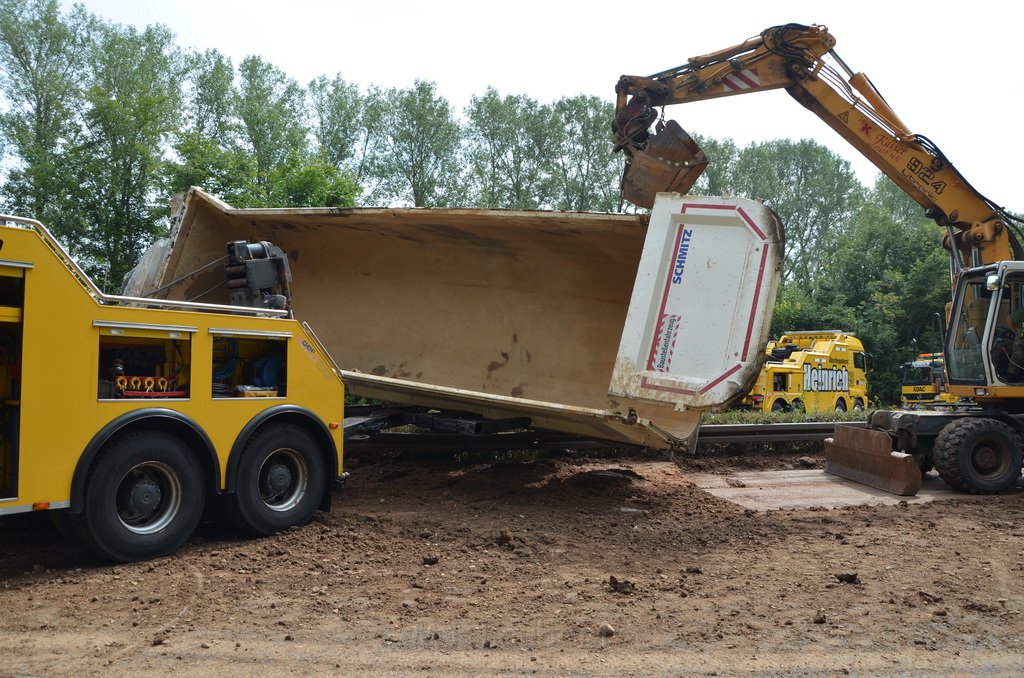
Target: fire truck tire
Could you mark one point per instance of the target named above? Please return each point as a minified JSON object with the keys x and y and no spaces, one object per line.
{"x":779,"y":406}
{"x":840,"y":405}
{"x":144,"y":497}
{"x":978,"y":455}
{"x":281,"y":480}
{"x":858,"y":405}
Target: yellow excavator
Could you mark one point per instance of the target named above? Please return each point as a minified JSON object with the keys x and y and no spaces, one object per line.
{"x":976,"y":449}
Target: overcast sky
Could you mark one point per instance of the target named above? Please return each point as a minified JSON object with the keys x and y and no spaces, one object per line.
{"x":950,"y":70}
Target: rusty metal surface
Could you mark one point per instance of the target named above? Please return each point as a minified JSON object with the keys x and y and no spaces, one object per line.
{"x":866,"y":456}
{"x":671,"y":163}
{"x":496,"y":312}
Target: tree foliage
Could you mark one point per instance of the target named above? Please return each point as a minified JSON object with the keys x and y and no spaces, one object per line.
{"x":100,"y":124}
{"x":586,"y":172}
{"x":812,"y":189}
{"x":270,"y":106}
{"x":507,"y":140}
{"x":417,"y":159}
{"x":132,"y":104}
{"x":42,"y":76}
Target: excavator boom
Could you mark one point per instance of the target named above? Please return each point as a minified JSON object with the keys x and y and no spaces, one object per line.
{"x":801,"y":60}
{"x":976,"y":453}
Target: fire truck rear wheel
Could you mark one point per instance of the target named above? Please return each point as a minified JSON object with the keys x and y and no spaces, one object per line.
{"x":840,"y":405}
{"x":978,"y":455}
{"x":779,"y":406}
{"x":281,"y":480}
{"x":143,"y":498}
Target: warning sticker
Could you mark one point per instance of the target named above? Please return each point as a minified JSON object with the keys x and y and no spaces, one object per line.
{"x":665,"y":343}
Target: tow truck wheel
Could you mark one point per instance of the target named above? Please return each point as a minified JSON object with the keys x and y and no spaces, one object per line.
{"x":978,"y":455}
{"x":281,"y":479}
{"x":143,"y":498}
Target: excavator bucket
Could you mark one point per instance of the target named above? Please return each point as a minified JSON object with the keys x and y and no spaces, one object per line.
{"x":866,"y":456}
{"x":671,"y":162}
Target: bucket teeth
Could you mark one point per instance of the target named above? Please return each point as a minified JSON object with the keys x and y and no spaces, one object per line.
{"x":866,"y":456}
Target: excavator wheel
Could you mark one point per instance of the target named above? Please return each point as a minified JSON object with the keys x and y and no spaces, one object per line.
{"x":978,"y":455}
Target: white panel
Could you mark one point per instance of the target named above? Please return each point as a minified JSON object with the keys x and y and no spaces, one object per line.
{"x":701,"y":306}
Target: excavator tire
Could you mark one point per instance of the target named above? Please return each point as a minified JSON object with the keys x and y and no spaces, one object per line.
{"x":866,"y":456}
{"x":978,"y":455}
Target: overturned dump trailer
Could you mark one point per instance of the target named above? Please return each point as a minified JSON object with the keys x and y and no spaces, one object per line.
{"x":608,"y":326}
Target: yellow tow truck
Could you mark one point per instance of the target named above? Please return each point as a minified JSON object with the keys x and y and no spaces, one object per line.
{"x":813,"y":371}
{"x":127,"y":417}
{"x":923,"y":383}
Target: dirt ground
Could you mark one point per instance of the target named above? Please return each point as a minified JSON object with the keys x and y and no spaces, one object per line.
{"x":554,"y":567}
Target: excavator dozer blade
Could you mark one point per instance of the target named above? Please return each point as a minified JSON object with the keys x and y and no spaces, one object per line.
{"x":671,"y":162}
{"x":866,"y":456}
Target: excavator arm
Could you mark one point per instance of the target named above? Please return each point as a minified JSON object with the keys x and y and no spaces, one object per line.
{"x":976,"y":451}
{"x":801,"y":60}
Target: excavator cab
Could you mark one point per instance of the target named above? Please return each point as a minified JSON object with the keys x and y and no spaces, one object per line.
{"x":984,"y":346}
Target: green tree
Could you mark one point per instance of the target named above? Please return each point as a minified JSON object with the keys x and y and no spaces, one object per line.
{"x":717,"y":178}
{"x":208,"y":144}
{"x":417,"y":160}
{"x":814,"y":191}
{"x":42,"y":69}
{"x":887,"y":280}
{"x":310,"y":181}
{"x":131,"y":107}
{"x":271,"y":108}
{"x":248,"y":144}
{"x":339,"y":115}
{"x":507,"y":141}
{"x":586,"y":173}
{"x":226,"y":171}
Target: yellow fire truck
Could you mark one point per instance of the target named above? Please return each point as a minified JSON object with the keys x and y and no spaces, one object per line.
{"x":127,"y":417}
{"x":816,"y":371}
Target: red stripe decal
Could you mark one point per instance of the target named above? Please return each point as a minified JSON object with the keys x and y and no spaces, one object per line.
{"x":657,"y":387}
{"x":664,"y":303}
{"x":753,"y":304}
{"x":714,"y":383}
{"x":750,"y":222}
{"x":746,"y":79}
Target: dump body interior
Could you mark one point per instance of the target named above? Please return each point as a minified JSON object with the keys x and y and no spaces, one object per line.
{"x":498,"y":312}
